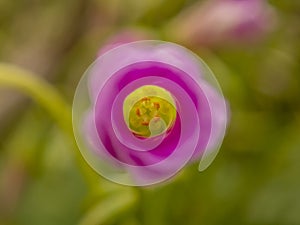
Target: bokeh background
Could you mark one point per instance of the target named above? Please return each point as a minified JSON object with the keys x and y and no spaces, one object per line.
{"x":252,"y":46}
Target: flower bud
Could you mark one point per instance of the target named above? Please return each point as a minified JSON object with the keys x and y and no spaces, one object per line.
{"x":224,"y":22}
{"x":125,"y":36}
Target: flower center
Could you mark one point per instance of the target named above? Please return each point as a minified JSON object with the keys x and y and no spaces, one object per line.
{"x":149,"y":111}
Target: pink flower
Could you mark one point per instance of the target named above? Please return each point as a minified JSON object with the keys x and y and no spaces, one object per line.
{"x":144,"y":110}
{"x":125,"y":36}
{"x":219,"y":22}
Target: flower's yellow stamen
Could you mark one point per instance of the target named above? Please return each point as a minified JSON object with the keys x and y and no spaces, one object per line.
{"x":149,"y":111}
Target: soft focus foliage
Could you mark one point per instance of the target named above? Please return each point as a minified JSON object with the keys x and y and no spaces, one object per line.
{"x":254,"y":179}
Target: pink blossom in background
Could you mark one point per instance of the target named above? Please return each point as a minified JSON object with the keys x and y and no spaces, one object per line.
{"x":222,"y":22}
{"x":125,"y":36}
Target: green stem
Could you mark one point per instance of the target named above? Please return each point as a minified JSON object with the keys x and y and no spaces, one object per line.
{"x":39,"y":90}
{"x":109,"y":209}
{"x":50,"y":99}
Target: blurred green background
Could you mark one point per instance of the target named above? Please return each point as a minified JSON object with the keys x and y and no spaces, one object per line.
{"x":255,"y":178}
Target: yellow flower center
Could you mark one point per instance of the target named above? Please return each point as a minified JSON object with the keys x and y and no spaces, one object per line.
{"x":149,"y":111}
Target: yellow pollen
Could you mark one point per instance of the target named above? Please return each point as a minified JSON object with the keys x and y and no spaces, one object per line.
{"x":149,"y":111}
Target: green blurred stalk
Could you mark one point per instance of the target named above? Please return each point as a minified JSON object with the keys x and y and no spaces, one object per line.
{"x":49,"y":98}
{"x":109,"y":209}
{"x":39,"y":90}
